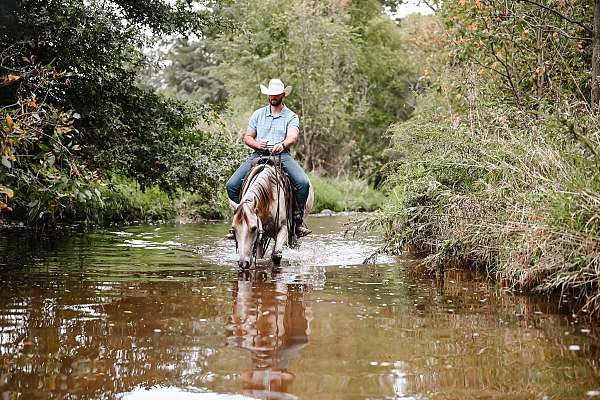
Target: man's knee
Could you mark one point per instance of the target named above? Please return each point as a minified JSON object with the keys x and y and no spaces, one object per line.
{"x":233,"y":188}
{"x":303,"y":182}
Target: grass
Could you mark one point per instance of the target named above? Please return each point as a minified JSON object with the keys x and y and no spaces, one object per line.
{"x":513,"y":193}
{"x":125,"y":201}
{"x":344,"y":193}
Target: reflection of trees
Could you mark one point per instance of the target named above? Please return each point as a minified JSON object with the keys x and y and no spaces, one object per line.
{"x":98,"y":340}
{"x":271,"y":320}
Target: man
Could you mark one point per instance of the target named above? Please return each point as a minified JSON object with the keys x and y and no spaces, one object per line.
{"x":274,"y":129}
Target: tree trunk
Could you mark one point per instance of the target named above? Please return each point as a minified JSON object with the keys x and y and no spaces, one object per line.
{"x":596,"y":60}
{"x":541,"y":62}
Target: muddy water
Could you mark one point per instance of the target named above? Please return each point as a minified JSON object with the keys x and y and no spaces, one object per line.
{"x":161,"y":312}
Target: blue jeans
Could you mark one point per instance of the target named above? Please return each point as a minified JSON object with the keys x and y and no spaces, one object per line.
{"x":297,"y":176}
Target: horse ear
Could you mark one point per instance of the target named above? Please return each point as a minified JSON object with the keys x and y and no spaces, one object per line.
{"x":233,"y":204}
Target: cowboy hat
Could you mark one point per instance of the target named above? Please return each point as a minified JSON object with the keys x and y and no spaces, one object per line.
{"x":275,"y":87}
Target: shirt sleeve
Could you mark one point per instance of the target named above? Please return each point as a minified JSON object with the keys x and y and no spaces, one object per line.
{"x":253,"y":122}
{"x":295,"y":122}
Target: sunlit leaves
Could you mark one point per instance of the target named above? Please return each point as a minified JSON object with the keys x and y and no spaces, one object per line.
{"x":535,"y":54}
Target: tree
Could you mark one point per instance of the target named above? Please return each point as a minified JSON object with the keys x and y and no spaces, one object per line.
{"x":344,"y":60}
{"x":307,"y":45}
{"x":538,"y":53}
{"x":189,"y":73}
{"x":71,"y":109}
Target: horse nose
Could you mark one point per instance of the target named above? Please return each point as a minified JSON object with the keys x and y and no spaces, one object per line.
{"x":244,"y":264}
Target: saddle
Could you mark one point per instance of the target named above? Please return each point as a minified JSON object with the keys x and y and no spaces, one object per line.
{"x":273,"y":161}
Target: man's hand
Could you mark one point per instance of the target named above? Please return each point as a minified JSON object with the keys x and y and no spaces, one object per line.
{"x":261,"y":144}
{"x":279,"y":147}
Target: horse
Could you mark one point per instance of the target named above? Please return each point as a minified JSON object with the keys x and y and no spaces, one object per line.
{"x":265,"y":212}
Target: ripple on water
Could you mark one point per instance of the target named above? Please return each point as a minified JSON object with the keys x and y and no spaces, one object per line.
{"x":97,"y":316}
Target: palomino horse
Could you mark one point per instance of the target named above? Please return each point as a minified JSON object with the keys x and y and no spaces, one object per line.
{"x":265,"y":213}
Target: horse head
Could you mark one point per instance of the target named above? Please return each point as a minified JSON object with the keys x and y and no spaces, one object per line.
{"x":247,"y":229}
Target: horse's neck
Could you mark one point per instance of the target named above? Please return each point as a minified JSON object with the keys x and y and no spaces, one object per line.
{"x":258,"y":191}
{"x":254,"y":181}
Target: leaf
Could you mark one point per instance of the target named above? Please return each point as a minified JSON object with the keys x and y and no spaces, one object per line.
{"x":10,"y":123}
{"x":9,"y":79}
{"x":6,"y":162}
{"x":76,"y":147}
{"x":62,"y":129}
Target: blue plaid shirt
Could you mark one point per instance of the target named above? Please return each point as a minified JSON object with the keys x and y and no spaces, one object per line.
{"x":272,"y":129}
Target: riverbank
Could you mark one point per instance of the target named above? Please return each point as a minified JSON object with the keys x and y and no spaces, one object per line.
{"x":125,"y":202}
{"x":498,"y":168}
{"x":501,"y":190}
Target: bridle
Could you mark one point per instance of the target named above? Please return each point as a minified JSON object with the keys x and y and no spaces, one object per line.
{"x":259,"y":236}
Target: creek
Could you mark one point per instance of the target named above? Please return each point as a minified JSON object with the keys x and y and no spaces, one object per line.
{"x":161,"y":311}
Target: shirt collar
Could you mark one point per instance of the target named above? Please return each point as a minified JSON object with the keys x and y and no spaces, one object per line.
{"x":283,"y":110}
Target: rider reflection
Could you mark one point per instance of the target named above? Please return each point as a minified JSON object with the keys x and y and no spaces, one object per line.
{"x":272,"y":320}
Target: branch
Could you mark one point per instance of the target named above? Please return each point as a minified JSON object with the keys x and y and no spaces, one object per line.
{"x":430,"y":5}
{"x":510,"y":81}
{"x":563,"y":33}
{"x":478,"y":62}
{"x":553,"y":11}
{"x":533,"y":24}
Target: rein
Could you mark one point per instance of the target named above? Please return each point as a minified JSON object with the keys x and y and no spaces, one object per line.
{"x":257,"y":241}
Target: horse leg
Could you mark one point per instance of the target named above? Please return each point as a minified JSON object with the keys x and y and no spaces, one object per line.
{"x":278,"y":247}
{"x":259,"y":249}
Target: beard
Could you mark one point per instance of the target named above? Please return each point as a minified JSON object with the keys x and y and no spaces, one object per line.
{"x":275,"y":102}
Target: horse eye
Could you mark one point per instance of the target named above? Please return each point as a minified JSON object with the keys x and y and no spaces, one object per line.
{"x":253,"y":229}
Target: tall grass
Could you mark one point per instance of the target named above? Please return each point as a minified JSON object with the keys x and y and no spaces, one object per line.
{"x":125,"y":201}
{"x":512,"y":192}
{"x":344,"y":193}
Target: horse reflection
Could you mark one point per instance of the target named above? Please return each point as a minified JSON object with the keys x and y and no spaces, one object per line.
{"x":272,"y":320}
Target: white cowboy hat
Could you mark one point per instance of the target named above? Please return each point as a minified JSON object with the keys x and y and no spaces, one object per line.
{"x":275,"y":87}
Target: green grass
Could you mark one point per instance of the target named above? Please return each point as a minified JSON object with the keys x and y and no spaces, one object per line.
{"x":125,"y":201}
{"x":513,"y":193}
{"x":344,"y":193}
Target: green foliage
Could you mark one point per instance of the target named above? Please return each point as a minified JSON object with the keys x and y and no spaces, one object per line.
{"x":40,"y":148}
{"x":189,"y":74}
{"x":513,"y":187}
{"x":344,"y":193}
{"x":124,"y":200}
{"x":308,"y":46}
{"x":384,"y":78}
{"x":71,"y":111}
{"x":195,"y":207}
{"x":531,"y":56}
{"x":344,"y":61}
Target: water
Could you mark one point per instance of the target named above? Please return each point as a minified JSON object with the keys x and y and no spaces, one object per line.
{"x":156,"y":312}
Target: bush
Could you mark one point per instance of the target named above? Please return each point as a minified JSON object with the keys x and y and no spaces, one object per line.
{"x":344,"y":194}
{"x":125,"y":201}
{"x":514,"y":193}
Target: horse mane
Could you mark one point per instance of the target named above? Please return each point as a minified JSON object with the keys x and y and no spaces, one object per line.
{"x":258,"y":188}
